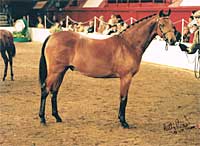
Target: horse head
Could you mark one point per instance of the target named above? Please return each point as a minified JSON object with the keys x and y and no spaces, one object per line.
{"x":165,"y":27}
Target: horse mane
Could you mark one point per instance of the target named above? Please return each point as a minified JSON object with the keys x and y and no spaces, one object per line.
{"x":138,"y":21}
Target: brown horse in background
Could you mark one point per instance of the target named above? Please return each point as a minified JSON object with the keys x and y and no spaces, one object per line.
{"x":117,"y":56}
{"x":7,"y":49}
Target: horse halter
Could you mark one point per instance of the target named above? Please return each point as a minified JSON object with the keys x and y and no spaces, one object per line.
{"x":162,"y":32}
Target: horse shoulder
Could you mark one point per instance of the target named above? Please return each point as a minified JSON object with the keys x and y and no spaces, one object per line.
{"x":125,"y":59}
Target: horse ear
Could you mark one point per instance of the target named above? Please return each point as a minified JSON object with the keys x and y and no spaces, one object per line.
{"x":169,"y":12}
{"x":161,"y":13}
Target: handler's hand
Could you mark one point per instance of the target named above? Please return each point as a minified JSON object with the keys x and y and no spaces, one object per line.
{"x":183,"y":47}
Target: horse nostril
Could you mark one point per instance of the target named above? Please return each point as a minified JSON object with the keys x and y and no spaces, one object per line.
{"x":172,"y":42}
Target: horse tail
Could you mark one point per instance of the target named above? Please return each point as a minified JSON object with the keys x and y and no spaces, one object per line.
{"x":1,"y":45}
{"x":43,"y":65}
{"x":7,"y":44}
{"x":13,"y":49}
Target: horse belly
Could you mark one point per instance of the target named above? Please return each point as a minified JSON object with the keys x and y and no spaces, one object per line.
{"x":93,"y":69}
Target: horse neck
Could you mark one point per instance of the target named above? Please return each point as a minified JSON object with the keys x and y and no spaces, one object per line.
{"x":140,"y":35}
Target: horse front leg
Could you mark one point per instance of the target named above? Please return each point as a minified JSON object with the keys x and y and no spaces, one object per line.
{"x":124,"y":87}
{"x":5,"y":59}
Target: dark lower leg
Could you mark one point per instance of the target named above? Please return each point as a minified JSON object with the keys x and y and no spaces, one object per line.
{"x":5,"y":70}
{"x":6,"y":64}
{"x":11,"y":70}
{"x":122,"y":110}
{"x":44,"y":95}
{"x":54,"y":106}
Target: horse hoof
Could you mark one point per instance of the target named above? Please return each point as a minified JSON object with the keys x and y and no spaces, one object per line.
{"x":43,"y":124}
{"x":58,"y":120}
{"x":125,"y":125}
{"x":3,"y":79}
{"x":43,"y":121}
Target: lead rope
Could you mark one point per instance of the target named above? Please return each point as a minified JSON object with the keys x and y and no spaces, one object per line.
{"x":197,"y":65}
{"x":197,"y":60}
{"x":166,"y":46}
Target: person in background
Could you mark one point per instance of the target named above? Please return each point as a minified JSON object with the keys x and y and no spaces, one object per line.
{"x":192,"y":32}
{"x":75,"y":27}
{"x":113,"y":30}
{"x":80,"y":27}
{"x":120,"y":27}
{"x":190,"y":21}
{"x":177,"y":34}
{"x":119,"y":19}
{"x":186,"y":34}
{"x":39,"y":25}
{"x":56,"y":28}
{"x":70,"y":27}
{"x":107,"y":29}
{"x":102,"y":24}
{"x":196,"y":40}
{"x":113,"y":20}
{"x":91,"y":27}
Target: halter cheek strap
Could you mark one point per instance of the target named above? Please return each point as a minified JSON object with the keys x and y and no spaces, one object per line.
{"x":163,"y":33}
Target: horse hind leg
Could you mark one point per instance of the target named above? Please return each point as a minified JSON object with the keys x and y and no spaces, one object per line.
{"x":44,"y":94}
{"x":11,"y":66}
{"x":54,"y":92}
{"x":5,"y":58}
{"x":52,"y":85}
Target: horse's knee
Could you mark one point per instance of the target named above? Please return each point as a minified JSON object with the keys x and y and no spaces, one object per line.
{"x":44,"y":93}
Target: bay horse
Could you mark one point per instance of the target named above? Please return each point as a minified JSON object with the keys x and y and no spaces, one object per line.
{"x":118,"y":56}
{"x":8,"y":51}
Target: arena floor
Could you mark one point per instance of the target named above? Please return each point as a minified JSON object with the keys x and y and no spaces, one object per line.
{"x":163,"y":104}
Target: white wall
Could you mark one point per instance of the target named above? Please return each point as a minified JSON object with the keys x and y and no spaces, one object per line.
{"x":37,"y":34}
{"x":156,"y":53}
{"x":190,"y":3}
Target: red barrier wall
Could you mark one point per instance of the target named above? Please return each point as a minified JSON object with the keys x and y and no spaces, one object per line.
{"x":136,"y":11}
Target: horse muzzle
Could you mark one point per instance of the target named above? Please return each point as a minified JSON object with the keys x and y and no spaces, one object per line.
{"x":171,"y":41}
